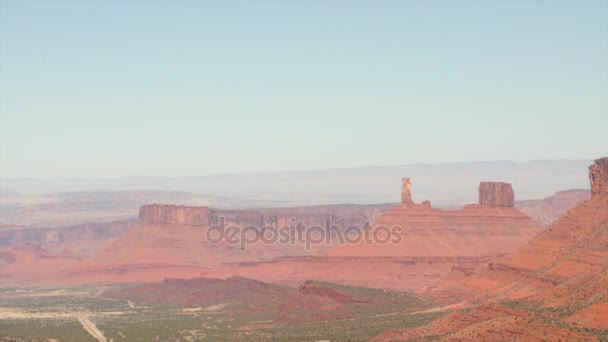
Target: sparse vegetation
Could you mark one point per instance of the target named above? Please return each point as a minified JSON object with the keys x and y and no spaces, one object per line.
{"x":150,"y":321}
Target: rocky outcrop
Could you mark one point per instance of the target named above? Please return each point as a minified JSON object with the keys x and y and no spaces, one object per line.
{"x":174,"y":214}
{"x":406,"y":192}
{"x":598,"y":176}
{"x":90,"y":235}
{"x":564,"y":266}
{"x":431,"y":243}
{"x":548,"y":210}
{"x":496,"y":194}
{"x":342,"y":215}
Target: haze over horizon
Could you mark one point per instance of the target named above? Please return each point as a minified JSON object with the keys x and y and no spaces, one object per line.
{"x":204,"y":88}
{"x":303,"y":170}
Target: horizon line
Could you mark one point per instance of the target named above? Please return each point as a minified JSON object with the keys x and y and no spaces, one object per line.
{"x":298,"y":170}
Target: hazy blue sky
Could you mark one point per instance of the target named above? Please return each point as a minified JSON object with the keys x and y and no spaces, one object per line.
{"x":111,"y":88}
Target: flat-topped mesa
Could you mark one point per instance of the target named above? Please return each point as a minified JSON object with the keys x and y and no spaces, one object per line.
{"x":496,"y":194}
{"x":406,"y":192}
{"x":174,"y":214}
{"x":598,"y":176}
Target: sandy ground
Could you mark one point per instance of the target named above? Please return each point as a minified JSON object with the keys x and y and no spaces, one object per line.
{"x":82,"y":317}
{"x":91,"y":328}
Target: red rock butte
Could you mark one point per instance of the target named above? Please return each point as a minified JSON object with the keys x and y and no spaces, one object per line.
{"x":170,"y":242}
{"x":492,"y":227}
{"x":497,"y":194}
{"x":434,"y":244}
{"x":562,"y":273}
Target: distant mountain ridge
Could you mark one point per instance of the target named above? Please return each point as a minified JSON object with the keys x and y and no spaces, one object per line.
{"x":449,"y":184}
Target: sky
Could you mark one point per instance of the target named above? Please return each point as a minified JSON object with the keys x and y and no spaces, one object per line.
{"x":186,"y":88}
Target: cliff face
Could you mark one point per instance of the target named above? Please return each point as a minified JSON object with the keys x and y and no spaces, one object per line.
{"x":83,"y":239}
{"x":427,"y":244}
{"x":565,"y":267}
{"x":548,"y":210}
{"x":496,"y":194}
{"x":598,"y":176}
{"x":174,"y":214}
{"x":170,"y":241}
{"x":343,"y":215}
{"x":490,"y":229}
{"x":562,"y":270}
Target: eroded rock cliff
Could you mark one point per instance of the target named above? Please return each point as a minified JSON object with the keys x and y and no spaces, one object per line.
{"x":496,"y":194}
{"x":174,"y":214}
{"x":548,"y":210}
{"x":598,"y":176}
{"x":343,"y":215}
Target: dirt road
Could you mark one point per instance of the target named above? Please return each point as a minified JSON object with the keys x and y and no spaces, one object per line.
{"x":91,"y":328}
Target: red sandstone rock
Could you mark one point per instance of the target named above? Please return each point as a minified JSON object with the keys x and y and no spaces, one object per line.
{"x":472,"y":231}
{"x":433,"y":243}
{"x":496,"y":194}
{"x":406,"y":192}
{"x":571,"y":253}
{"x":564,"y":267}
{"x":548,"y":210}
{"x":343,"y":215}
{"x":170,"y":242}
{"x":487,"y":323}
{"x":167,"y":242}
{"x":598,"y":176}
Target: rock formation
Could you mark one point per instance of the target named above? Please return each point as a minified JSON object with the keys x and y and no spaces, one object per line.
{"x":406,"y":192}
{"x":172,"y":241}
{"x":343,"y":215}
{"x":548,"y":210}
{"x":425,"y":245}
{"x":565,"y":267}
{"x":598,"y":176}
{"x":563,"y":270}
{"x":496,"y":194}
{"x":82,"y":239}
{"x":174,"y":214}
{"x":93,"y":231}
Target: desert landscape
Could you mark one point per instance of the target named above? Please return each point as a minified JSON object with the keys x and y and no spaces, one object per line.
{"x":483,"y":271}
{"x":303,"y":171}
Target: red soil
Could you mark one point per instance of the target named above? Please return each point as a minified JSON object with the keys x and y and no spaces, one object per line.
{"x":594,"y":317}
{"x":25,"y":262}
{"x":487,"y":323}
